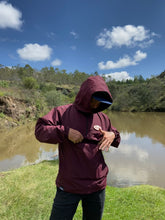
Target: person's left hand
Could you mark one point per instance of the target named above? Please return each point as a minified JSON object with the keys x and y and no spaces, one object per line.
{"x":108,"y":137}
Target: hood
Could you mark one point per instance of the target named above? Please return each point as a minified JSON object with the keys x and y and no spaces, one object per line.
{"x":93,"y":85}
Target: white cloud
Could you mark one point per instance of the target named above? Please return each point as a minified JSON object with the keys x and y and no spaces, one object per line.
{"x":128,"y":35}
{"x":139,"y":56}
{"x":35,"y":52}
{"x":123,"y":62}
{"x":118,"y":76}
{"x":146,"y":43}
{"x":56,"y":62}
{"x":10,"y":17}
{"x":74,"y":34}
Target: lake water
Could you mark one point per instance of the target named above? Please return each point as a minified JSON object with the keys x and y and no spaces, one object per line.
{"x":140,"y":158}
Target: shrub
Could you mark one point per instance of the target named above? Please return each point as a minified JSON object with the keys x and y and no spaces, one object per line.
{"x":30,"y":83}
{"x":2,"y":115}
{"x":55,"y":98}
{"x":4,"y":84}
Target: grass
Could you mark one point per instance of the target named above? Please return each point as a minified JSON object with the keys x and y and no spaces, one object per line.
{"x":27,"y":193}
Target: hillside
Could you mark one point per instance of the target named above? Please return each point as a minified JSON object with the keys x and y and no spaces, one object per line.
{"x":25,"y":93}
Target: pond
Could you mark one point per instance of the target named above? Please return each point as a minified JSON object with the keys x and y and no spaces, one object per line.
{"x":138,"y":160}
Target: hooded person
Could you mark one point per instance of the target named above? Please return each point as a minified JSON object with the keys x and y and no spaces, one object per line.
{"x":82,"y":131}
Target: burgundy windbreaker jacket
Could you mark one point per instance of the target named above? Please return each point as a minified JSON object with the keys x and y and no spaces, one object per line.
{"x":82,"y":168}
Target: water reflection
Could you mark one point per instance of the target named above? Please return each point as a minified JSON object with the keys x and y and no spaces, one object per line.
{"x":140,"y":157}
{"x":150,"y":124}
{"x":14,"y":162}
{"x":138,"y":160}
{"x":18,"y":147}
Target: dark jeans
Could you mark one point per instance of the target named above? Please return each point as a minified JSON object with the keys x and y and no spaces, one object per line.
{"x":65,"y":205}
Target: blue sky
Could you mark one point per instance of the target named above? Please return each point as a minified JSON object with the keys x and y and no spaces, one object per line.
{"x":123,"y":38}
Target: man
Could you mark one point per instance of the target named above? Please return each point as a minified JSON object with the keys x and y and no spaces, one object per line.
{"x":82,"y":132}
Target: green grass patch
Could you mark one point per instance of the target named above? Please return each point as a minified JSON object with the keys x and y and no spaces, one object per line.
{"x":2,"y":115}
{"x":4,"y":83}
{"x":28,"y":193}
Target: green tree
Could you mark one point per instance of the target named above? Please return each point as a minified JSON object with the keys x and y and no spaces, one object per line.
{"x":30,"y":83}
{"x":26,"y":71}
{"x":54,"y":98}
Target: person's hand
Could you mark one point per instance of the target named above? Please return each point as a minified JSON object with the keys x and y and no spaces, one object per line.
{"x":108,"y":137}
{"x":75,"y":136}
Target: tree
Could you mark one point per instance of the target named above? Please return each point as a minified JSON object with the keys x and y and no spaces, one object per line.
{"x":30,"y":83}
{"x":55,"y":98}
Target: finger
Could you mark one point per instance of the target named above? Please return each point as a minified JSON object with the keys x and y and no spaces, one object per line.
{"x":106,"y":148}
{"x":101,"y":130}
{"x":104,"y":144}
{"x":79,"y":138}
{"x":101,"y":141}
{"x":78,"y":141}
{"x":103,"y":148}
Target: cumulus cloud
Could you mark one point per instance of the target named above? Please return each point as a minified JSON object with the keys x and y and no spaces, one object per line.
{"x":56,"y":62}
{"x":128,"y":35}
{"x":123,"y":62}
{"x":10,"y":17}
{"x":35,"y":52}
{"x":139,"y":56}
{"x":118,"y":76}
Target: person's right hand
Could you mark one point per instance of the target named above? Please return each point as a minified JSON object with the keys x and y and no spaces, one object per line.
{"x":75,"y":136}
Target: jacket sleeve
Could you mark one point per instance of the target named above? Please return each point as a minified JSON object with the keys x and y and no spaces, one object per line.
{"x":117,"y":139}
{"x":49,"y":129}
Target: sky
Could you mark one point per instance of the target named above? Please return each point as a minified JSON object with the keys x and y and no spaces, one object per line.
{"x":120,"y":38}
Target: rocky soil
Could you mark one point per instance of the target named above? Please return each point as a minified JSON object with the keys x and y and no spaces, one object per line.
{"x":14,"y":110}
